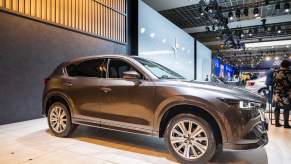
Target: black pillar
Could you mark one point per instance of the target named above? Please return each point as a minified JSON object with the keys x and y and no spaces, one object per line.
{"x":132,"y":27}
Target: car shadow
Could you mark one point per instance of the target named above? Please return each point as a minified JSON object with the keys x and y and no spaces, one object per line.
{"x":153,"y":146}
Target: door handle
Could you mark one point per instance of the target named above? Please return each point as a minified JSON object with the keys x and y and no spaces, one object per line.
{"x":67,"y":84}
{"x":106,"y":90}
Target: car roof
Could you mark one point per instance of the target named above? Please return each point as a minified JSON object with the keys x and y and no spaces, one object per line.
{"x":99,"y":56}
{"x":118,"y":56}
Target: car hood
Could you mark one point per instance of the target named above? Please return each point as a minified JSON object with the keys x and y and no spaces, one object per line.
{"x":221,"y":89}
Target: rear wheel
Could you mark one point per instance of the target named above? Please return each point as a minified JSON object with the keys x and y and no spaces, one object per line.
{"x":59,"y":120}
{"x":190,"y":139}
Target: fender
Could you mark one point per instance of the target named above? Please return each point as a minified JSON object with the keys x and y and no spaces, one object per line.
{"x":171,"y":102}
{"x":59,"y":94}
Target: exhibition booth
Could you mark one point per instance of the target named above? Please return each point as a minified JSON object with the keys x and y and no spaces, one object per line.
{"x":144,"y":81}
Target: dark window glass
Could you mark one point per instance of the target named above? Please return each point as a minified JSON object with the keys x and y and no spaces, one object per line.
{"x":90,"y":68}
{"x":117,"y":67}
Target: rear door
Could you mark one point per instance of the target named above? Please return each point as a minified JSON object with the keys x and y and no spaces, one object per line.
{"x":83,"y":87}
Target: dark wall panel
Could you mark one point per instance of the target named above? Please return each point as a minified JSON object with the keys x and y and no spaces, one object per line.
{"x":29,"y":51}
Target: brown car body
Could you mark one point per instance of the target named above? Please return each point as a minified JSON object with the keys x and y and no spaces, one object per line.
{"x":144,"y":107}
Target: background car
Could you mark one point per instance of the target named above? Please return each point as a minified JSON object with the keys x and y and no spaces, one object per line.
{"x":257,"y":86}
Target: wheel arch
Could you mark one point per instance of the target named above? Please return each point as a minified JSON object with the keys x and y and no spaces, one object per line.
{"x":53,"y":97}
{"x":180,"y":108}
{"x":262,"y":88}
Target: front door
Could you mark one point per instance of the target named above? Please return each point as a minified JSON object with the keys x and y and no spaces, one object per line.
{"x":125,"y":104}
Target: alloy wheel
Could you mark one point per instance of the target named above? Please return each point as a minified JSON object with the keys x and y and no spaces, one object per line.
{"x":58,"y":119}
{"x":189,"y":139}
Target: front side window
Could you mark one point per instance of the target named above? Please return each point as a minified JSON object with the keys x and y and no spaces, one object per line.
{"x":90,"y":68}
{"x":118,"y":67}
{"x":158,"y":70}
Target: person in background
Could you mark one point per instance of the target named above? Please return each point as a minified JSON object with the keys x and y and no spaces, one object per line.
{"x":282,"y":92}
{"x":269,"y":84}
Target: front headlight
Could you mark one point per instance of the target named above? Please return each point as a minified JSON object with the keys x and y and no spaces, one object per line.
{"x":242,"y":104}
{"x":249,"y":105}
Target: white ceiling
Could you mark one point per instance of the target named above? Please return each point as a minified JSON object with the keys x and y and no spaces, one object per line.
{"x":160,"y":5}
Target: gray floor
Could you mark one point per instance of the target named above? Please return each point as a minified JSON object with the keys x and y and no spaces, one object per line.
{"x":31,"y":142}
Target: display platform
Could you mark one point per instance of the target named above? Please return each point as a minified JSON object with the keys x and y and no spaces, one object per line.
{"x":31,"y":142}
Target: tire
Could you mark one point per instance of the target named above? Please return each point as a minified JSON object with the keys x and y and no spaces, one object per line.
{"x":263,"y":91}
{"x":61,"y":126}
{"x":206,"y":148}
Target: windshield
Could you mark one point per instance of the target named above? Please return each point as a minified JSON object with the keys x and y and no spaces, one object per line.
{"x":158,"y":70}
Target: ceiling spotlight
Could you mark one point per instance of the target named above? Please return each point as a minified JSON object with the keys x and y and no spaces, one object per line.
{"x":286,"y":7}
{"x":213,"y":27}
{"x":256,"y":12}
{"x":268,"y":58}
{"x":201,"y":11}
{"x":237,"y":13}
{"x":207,"y":29}
{"x":242,"y":35}
{"x":230,"y":15}
{"x":277,"y":58}
{"x":264,"y":24}
{"x":250,"y":33}
{"x":207,"y":9}
{"x":246,"y":12}
{"x":278,"y":6}
{"x":279,"y":30}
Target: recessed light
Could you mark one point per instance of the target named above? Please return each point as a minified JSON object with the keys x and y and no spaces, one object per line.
{"x":142,"y":30}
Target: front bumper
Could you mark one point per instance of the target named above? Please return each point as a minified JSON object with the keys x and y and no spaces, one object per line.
{"x":255,"y":138}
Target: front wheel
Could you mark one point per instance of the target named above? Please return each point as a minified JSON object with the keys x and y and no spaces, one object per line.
{"x":190,"y":139}
{"x":59,"y":120}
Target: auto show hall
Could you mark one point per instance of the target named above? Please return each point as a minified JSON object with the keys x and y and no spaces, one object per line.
{"x":145,"y":81}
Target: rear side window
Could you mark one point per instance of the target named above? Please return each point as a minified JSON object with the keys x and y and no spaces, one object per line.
{"x":91,"y":68}
{"x":58,"y":70}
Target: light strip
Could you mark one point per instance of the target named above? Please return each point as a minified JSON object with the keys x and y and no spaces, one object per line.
{"x":268,"y":44}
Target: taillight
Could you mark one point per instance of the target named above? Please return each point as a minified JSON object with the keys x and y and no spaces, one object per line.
{"x":251,"y":83}
{"x":45,"y":81}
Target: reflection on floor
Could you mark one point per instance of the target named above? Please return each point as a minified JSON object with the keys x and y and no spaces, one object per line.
{"x":31,"y":142}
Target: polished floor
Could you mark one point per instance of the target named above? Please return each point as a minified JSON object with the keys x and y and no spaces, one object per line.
{"x":31,"y":142}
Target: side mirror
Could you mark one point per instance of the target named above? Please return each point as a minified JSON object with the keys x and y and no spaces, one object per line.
{"x":131,"y":75}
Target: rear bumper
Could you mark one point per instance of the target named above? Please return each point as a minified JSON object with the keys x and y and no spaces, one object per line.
{"x":257,"y":136}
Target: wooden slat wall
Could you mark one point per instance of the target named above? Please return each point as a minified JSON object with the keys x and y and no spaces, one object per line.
{"x":105,"y":18}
